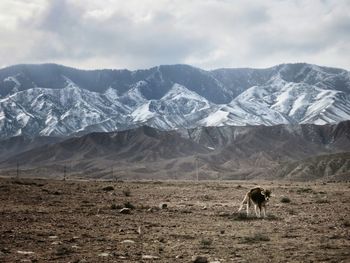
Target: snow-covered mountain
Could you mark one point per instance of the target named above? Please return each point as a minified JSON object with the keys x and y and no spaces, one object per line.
{"x":54,"y":100}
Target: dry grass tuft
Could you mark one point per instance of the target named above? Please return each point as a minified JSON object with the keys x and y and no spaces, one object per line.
{"x":245,"y":217}
{"x":205,"y":243}
{"x":127,"y":192}
{"x":302,"y":190}
{"x":257,"y":237}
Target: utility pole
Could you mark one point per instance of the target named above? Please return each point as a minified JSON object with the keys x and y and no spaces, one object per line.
{"x":197,"y":169}
{"x":17,"y":170}
{"x":64,"y":173}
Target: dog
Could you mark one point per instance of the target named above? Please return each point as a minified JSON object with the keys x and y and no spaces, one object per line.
{"x":259,"y":197}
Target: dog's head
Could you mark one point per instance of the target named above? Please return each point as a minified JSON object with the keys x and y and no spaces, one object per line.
{"x":267,"y":194}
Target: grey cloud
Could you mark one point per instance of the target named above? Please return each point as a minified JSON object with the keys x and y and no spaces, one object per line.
{"x":205,"y":33}
{"x":155,"y":41}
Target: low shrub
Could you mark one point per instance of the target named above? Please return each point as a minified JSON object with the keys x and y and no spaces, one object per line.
{"x":285,"y":199}
{"x":129,"y":205}
{"x":346,"y":223}
{"x":115,"y":206}
{"x":321,"y":201}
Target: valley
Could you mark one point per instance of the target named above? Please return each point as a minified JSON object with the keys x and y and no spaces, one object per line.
{"x":171,"y":221}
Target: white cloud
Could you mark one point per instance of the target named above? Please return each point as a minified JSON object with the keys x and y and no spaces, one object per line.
{"x":205,"y":33}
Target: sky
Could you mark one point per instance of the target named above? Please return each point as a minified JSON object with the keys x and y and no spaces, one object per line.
{"x":137,"y":34}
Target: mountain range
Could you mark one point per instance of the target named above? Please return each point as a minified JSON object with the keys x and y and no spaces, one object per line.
{"x":53,"y":100}
{"x":227,"y":152}
{"x":289,"y":121}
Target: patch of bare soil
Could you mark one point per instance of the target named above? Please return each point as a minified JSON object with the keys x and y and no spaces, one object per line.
{"x":89,"y":221}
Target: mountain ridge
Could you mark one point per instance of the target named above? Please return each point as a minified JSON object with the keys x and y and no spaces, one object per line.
{"x":54,"y":100}
{"x":246,"y":152}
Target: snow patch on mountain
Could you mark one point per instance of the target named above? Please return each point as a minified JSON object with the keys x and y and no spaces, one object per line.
{"x":143,"y":113}
{"x":285,"y":94}
{"x":178,"y":91}
{"x":186,"y":101}
{"x":217,"y":118}
{"x":111,"y":94}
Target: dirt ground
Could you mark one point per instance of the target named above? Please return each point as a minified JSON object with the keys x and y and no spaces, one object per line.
{"x":168,"y":221}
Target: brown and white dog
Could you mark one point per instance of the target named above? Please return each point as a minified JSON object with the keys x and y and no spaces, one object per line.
{"x":259,"y":197}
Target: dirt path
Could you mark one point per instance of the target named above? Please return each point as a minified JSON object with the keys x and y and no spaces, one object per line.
{"x":80,"y":221}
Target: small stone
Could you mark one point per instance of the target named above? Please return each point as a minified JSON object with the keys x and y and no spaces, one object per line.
{"x":63,"y":250}
{"x":125,"y":211}
{"x":199,"y":259}
{"x":224,"y":214}
{"x":153,"y":209}
{"x":150,"y":257}
{"x":104,"y":254}
{"x":139,"y":230}
{"x":25,"y":252}
{"x":5,"y":250}
{"x":108,"y":188}
{"x":128,"y":241}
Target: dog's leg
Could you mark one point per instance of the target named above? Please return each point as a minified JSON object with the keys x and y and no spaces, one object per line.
{"x":260,"y":209}
{"x":259,"y":212}
{"x":256,"y":210}
{"x":264,"y":211}
{"x":240,"y":207}
{"x":242,"y":204}
{"x":248,"y":205}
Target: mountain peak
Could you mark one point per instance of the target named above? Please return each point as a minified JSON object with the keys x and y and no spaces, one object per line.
{"x":178,"y":91}
{"x":51,"y":99}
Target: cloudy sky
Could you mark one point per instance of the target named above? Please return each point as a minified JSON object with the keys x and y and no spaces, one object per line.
{"x":204,"y":33}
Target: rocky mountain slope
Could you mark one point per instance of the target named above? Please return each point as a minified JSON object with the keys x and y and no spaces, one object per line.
{"x":53,"y":100}
{"x":19,"y":144}
{"x":331,"y":167}
{"x":218,"y":152}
